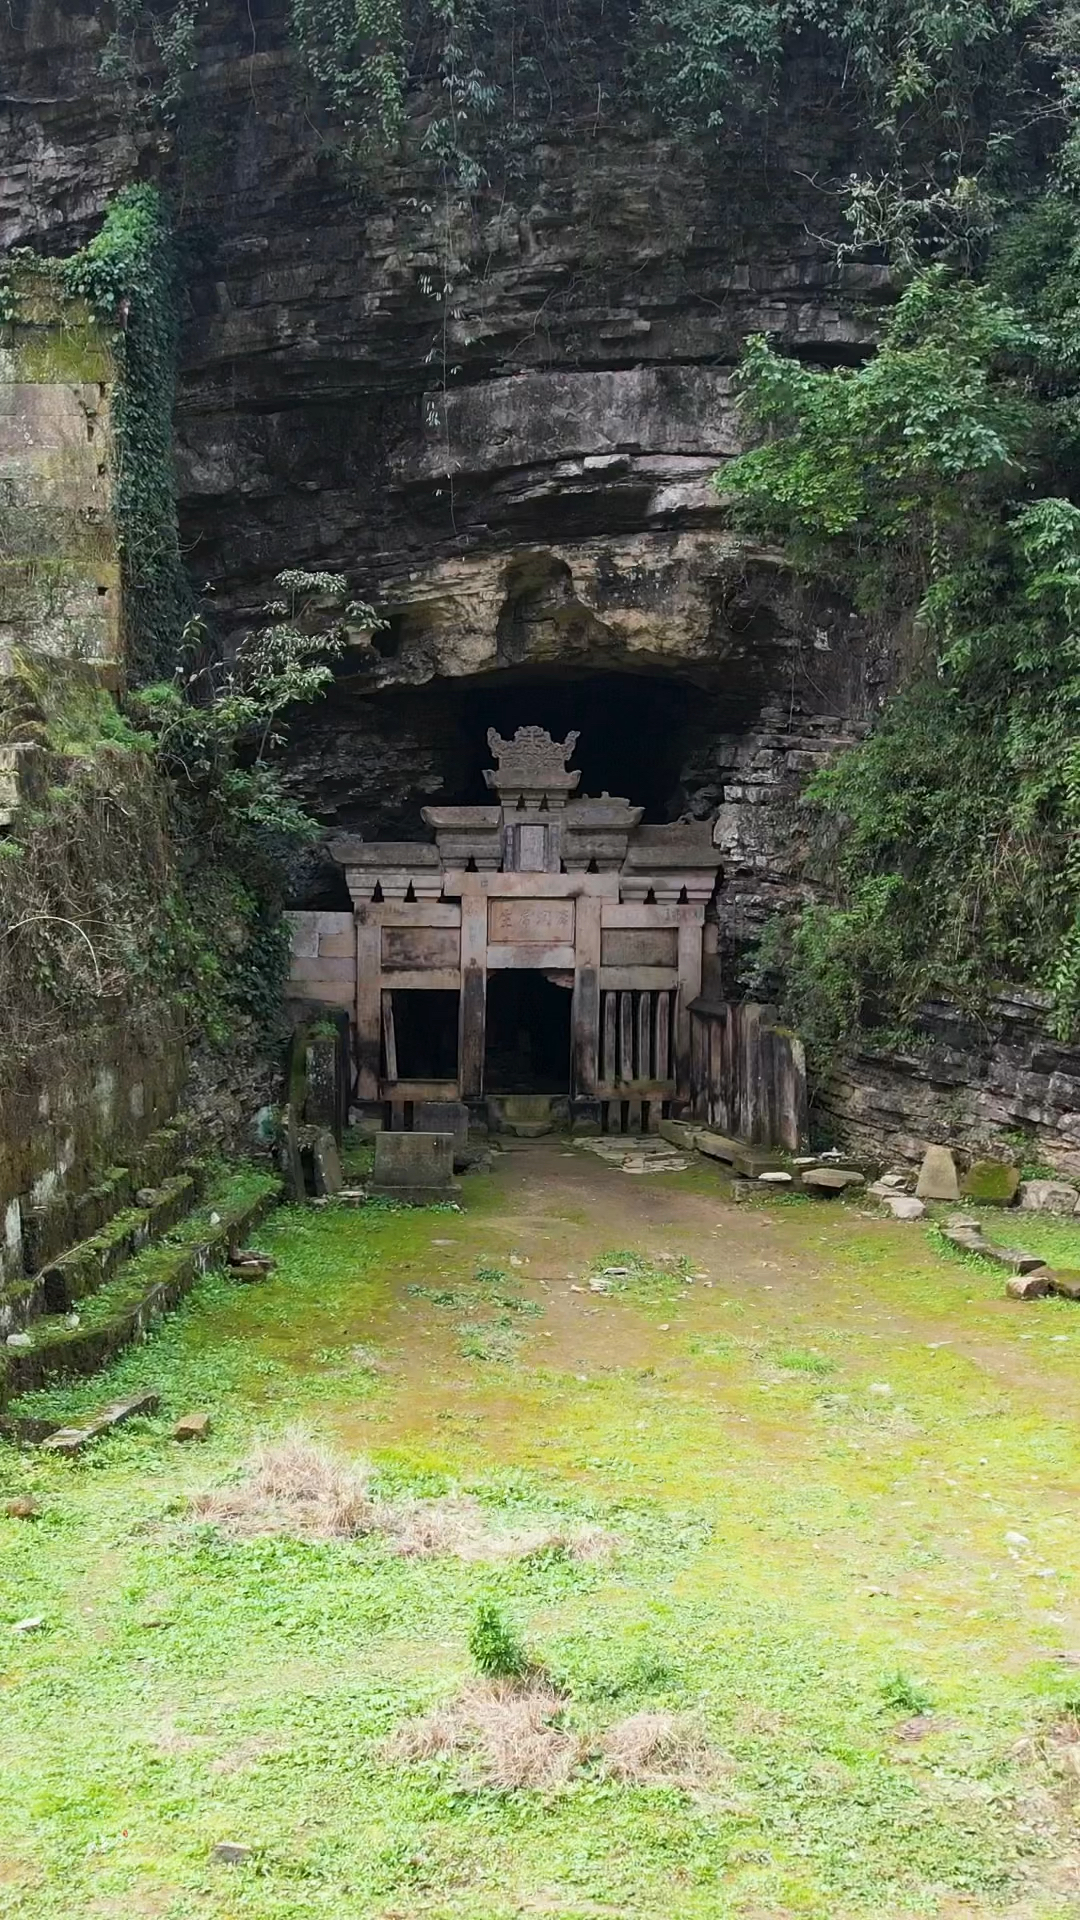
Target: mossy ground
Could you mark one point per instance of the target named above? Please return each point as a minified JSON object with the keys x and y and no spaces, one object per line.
{"x":834,"y":1453}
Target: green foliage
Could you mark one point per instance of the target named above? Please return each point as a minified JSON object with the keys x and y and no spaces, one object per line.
{"x":149,"y":58}
{"x":946,"y":93}
{"x":904,"y":1695}
{"x":128,"y":275}
{"x":237,"y":830}
{"x":355,"y":52}
{"x":494,"y":1646}
{"x":932,"y":484}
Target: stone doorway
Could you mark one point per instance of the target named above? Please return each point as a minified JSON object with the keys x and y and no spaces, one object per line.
{"x":528,"y":1034}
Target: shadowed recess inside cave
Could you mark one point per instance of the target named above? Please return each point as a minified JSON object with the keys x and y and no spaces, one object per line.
{"x":368,"y":763}
{"x":633,"y":731}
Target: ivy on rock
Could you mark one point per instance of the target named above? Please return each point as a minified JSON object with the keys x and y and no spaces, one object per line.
{"x":128,"y":275}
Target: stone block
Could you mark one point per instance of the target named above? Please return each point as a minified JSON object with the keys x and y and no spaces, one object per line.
{"x":829,"y":1181}
{"x":417,"y":1167}
{"x":716,"y":1146}
{"x":192,"y":1426}
{"x":991,"y":1183}
{"x":937,"y":1176}
{"x":904,"y":1206}
{"x":1048,"y":1196}
{"x":1029,"y":1286}
{"x":527,"y":1115}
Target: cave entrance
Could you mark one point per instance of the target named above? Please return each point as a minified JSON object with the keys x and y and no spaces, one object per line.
{"x":633,"y":729}
{"x":527,"y":1048}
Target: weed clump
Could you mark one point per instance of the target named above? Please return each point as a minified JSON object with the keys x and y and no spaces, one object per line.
{"x":295,"y":1486}
{"x":652,"y":1749}
{"x":511,"y":1731}
{"x":905,"y":1695}
{"x":494,"y":1646}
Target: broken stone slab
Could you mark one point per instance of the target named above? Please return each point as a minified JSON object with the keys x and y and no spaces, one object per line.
{"x":937,"y":1176}
{"x":69,"y":1440}
{"x":192,"y":1426}
{"x":1048,"y":1196}
{"x":831,"y":1180}
{"x":969,"y":1238}
{"x":326,"y":1163}
{"x":1064,"y":1281}
{"x":993,"y":1183}
{"x":417,"y":1168}
{"x":776,"y":1177}
{"x":679,"y":1133}
{"x":904,"y":1206}
{"x":231,"y":1853}
{"x":248,"y":1259}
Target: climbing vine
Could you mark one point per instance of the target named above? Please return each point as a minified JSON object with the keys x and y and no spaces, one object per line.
{"x":127,"y":274}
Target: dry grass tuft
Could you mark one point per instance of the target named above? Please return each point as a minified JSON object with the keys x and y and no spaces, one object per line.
{"x":506,"y":1730}
{"x":294,"y":1486}
{"x":510,"y":1736}
{"x":652,"y":1749}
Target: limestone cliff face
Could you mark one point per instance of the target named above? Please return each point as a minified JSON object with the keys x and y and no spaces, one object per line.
{"x":499,"y":417}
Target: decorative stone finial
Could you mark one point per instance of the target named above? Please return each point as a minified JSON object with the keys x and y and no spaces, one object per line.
{"x":532,"y":761}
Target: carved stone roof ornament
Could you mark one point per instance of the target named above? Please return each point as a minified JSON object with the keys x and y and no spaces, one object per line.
{"x":532,"y":764}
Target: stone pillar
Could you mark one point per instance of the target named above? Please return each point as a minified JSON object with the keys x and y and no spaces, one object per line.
{"x":691,"y":919}
{"x":472,"y":1016}
{"x":368,"y":1000}
{"x":585,"y":1015}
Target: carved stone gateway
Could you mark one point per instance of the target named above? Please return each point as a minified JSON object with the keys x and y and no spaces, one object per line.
{"x":540,"y":894}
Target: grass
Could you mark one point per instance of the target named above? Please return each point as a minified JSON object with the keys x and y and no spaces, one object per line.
{"x":816,"y":1677}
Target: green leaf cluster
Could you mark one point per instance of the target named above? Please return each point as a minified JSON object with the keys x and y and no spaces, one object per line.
{"x":128,"y":275}
{"x":934,"y":485}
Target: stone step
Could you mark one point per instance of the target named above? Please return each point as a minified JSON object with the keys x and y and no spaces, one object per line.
{"x":86,"y":1267}
{"x":64,"y":1221}
{"x":83,"y":1268}
{"x":147,"y":1285}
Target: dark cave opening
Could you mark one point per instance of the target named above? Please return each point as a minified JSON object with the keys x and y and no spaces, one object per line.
{"x":367,"y":762}
{"x":633,"y":730}
{"x":528,"y":1033}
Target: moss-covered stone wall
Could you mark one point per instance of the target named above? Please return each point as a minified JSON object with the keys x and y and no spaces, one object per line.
{"x":59,"y":568}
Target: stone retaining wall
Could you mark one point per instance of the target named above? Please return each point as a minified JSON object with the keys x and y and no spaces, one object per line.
{"x":74,"y":1112}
